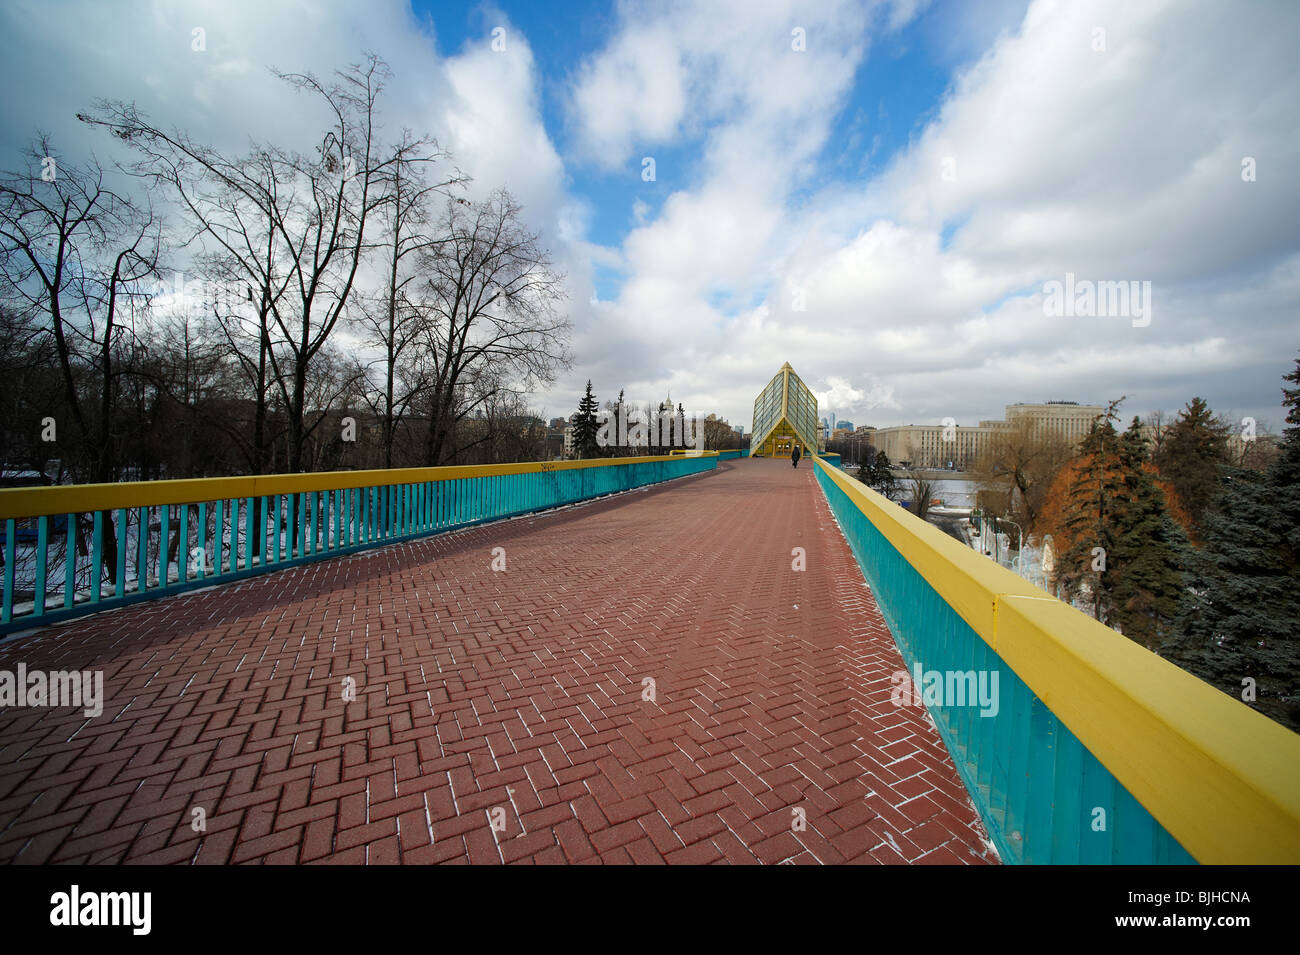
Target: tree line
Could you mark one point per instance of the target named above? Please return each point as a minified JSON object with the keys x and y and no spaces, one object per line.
{"x":343,"y":307}
{"x":651,"y":429}
{"x":1189,"y":550}
{"x":1164,"y":533}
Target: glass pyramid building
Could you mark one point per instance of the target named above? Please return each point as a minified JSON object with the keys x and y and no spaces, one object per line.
{"x":785,"y":415}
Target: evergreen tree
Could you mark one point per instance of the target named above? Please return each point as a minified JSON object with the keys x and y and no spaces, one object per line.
{"x":882,"y":476}
{"x":585,"y":426}
{"x":1243,"y":615}
{"x":866,"y":466}
{"x":1094,"y":495}
{"x":875,"y":471}
{"x":1191,"y":453}
{"x":1150,"y":549}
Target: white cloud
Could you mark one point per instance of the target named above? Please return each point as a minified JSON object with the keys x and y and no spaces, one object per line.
{"x":481,"y":105}
{"x":923,"y":296}
{"x":1116,"y":165}
{"x":494,"y":128}
{"x":726,"y":79}
{"x":841,"y":393}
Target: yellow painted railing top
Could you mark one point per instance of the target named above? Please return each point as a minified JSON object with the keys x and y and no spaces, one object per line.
{"x":1223,"y":779}
{"x":84,"y":498}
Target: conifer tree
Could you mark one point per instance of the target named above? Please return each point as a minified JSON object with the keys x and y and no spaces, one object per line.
{"x":866,"y":466}
{"x":876,"y":472}
{"x":1241,"y":628}
{"x":1146,"y":567}
{"x":1191,"y":452}
{"x":1095,"y":490}
{"x":882,"y":478}
{"x":584,"y":425}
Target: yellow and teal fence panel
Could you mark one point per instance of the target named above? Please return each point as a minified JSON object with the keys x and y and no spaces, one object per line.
{"x":78,"y":549}
{"x":1099,"y":750}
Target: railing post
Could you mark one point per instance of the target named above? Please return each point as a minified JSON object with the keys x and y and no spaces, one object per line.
{"x":70,"y":563}
{"x":11,"y":529}
{"x":121,"y":553}
{"x":165,"y":545}
{"x":183,"y":546}
{"x":97,"y":558}
{"x":38,"y":595}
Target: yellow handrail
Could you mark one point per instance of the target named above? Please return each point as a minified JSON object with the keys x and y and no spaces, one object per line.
{"x":1223,"y":779}
{"x":85,"y":498}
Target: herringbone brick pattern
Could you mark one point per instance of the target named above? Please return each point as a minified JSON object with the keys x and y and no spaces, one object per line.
{"x":514,"y":697}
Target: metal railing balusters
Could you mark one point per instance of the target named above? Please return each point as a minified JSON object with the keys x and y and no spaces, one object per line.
{"x":286,"y":519}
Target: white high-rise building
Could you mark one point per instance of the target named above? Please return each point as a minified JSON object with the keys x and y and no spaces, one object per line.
{"x":958,"y":446}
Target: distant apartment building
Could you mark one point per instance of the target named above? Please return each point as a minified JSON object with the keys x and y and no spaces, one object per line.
{"x":1065,"y":419}
{"x":554,"y":443}
{"x":567,"y":424}
{"x":958,"y":446}
{"x":934,"y":446}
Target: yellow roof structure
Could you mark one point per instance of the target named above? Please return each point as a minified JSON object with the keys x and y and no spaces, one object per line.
{"x":786,"y":407}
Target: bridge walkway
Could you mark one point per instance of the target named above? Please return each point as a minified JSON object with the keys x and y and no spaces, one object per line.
{"x":642,"y":678}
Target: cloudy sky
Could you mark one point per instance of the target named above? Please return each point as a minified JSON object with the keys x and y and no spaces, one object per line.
{"x":876,"y":192}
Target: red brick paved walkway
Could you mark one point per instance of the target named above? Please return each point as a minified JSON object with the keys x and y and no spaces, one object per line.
{"x":518,"y":692}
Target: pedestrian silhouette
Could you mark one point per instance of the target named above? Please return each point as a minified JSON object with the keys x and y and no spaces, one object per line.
{"x":794,"y":457}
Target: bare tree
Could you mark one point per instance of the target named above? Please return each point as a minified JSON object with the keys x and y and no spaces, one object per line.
{"x":506,"y":429}
{"x":922,"y":490}
{"x":1016,"y":471}
{"x":1157,"y":423}
{"x":28,"y":388}
{"x":488,"y":315}
{"x":291,"y":226}
{"x":719,"y":435}
{"x":336,"y":389}
{"x":75,"y":253}
{"x":391,"y":319}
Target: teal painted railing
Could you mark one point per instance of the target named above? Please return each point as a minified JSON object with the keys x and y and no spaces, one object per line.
{"x":1037,"y":788}
{"x":79,"y":549}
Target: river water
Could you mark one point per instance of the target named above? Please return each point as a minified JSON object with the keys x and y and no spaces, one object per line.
{"x":953,"y":492}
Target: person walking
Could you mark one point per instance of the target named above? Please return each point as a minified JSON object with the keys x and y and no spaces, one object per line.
{"x":794,"y":457}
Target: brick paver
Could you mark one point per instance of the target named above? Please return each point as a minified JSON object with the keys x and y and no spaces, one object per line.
{"x":513,"y":696}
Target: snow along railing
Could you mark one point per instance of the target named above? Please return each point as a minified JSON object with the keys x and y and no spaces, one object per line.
{"x":77,"y":549}
{"x":1096,"y":750}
